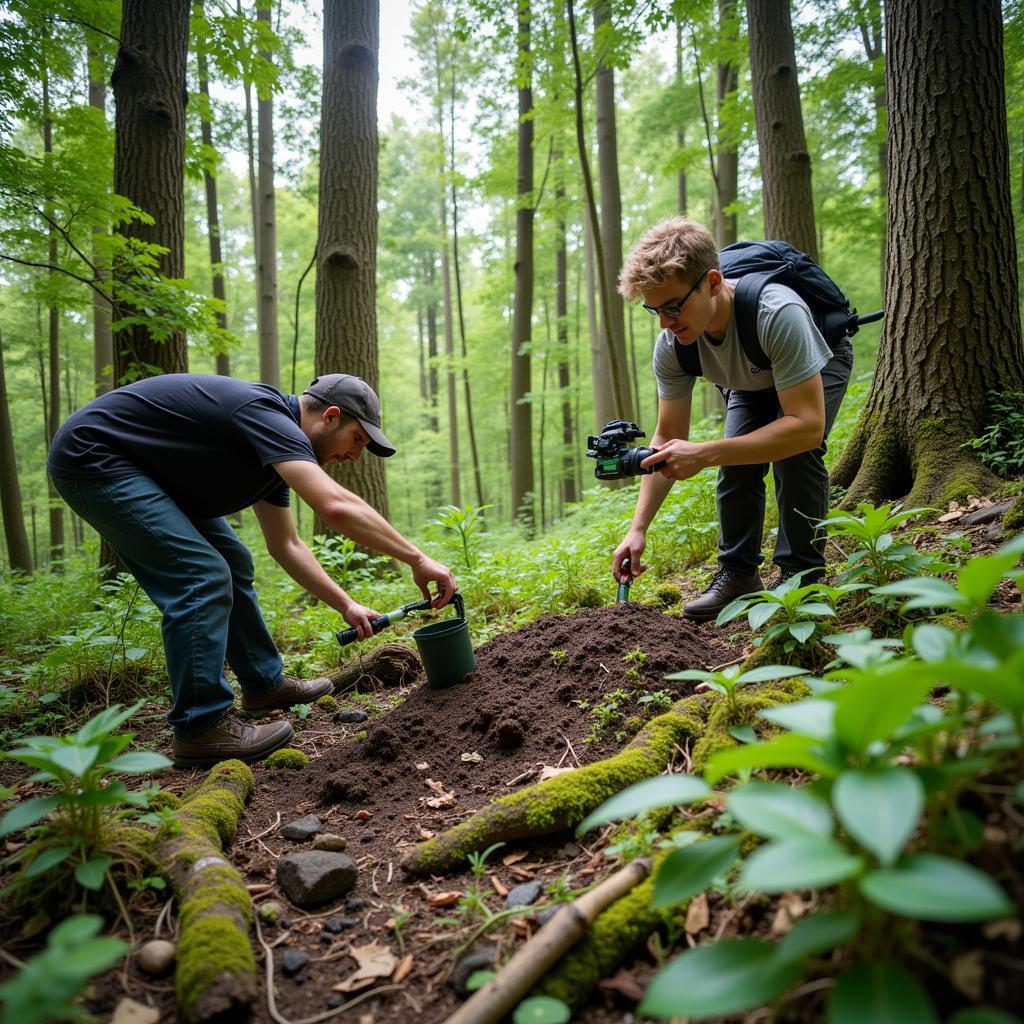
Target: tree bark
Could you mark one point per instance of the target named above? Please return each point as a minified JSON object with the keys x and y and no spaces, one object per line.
{"x":727,"y":175}
{"x":681,"y":124}
{"x":871,"y":34}
{"x":149,"y":160}
{"x":19,"y":555}
{"x":568,"y":476}
{"x":346,"y":314}
{"x":600,"y":371}
{"x":520,"y":412}
{"x":212,"y":213}
{"x":785,"y":162}
{"x":266,"y":237}
{"x":103,"y":341}
{"x":950,"y":236}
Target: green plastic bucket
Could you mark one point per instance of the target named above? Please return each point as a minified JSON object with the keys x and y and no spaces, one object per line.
{"x":445,"y":650}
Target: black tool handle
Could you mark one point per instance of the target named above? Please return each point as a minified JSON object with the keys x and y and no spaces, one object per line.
{"x":348,"y":636}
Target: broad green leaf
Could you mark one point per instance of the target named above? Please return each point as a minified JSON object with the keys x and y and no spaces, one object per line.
{"x":979,"y":578}
{"x":106,"y":721}
{"x":27,"y":813}
{"x":139,"y":761}
{"x":684,"y":873}
{"x":801,"y":632}
{"x":91,"y":873}
{"x":997,"y":685}
{"x":875,"y":706}
{"x":932,"y":642}
{"x":816,"y":934}
{"x":723,"y":978}
{"x":648,"y":795}
{"x":817,"y":608}
{"x":743,"y":734}
{"x":692,"y":673}
{"x":880,"y":809}
{"x":879,"y":994}
{"x":769,"y":673}
{"x":541,"y":1010}
{"x":47,"y":859}
{"x":479,"y":978}
{"x":94,"y":956}
{"x":108,"y":796}
{"x":809,"y":717}
{"x":983,"y":1015}
{"x":789,"y":751}
{"x":933,"y":888}
{"x":760,"y":614}
{"x":75,"y":759}
{"x":924,"y":592}
{"x":779,"y":811}
{"x":75,"y":930}
{"x":803,"y":863}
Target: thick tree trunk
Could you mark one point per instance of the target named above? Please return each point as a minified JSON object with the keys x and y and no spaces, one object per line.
{"x":950,"y":236}
{"x":266,"y":237}
{"x":520,"y":412}
{"x":19,"y":555}
{"x":346,"y":314}
{"x":727,"y":176}
{"x":871,"y":33}
{"x":600,"y":371}
{"x":149,"y":154}
{"x":103,"y":341}
{"x":785,"y":162}
{"x":681,"y":124}
{"x":568,"y":475}
{"x":613,"y":322}
{"x":212,"y":213}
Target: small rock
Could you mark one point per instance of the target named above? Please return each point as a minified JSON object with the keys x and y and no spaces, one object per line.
{"x":355,"y":904}
{"x":523,"y":895}
{"x":302,"y":828}
{"x":292,"y":961}
{"x":569,"y":851}
{"x":995,"y":533}
{"x":482,"y":959}
{"x":330,"y":841}
{"x":367,"y":837}
{"x":354,"y":715}
{"x":363,"y":815}
{"x":334,"y":1000}
{"x":130,"y":1012}
{"x":332,"y":925}
{"x":315,"y":876}
{"x":348,"y":922}
{"x":156,"y":957}
{"x":987,"y":513}
{"x":326,"y":938}
{"x":284,"y":922}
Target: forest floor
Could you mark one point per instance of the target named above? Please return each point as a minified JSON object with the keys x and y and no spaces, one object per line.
{"x":423,"y":760}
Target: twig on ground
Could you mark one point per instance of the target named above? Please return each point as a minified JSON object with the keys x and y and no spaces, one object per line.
{"x":259,"y":835}
{"x":165,"y":913}
{"x":726,"y":664}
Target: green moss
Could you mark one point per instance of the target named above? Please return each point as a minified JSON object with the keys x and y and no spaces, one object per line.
{"x":944,"y":471}
{"x":668,"y":594}
{"x":708,"y":745}
{"x":222,"y":888}
{"x":1013,"y":521}
{"x":158,"y":801}
{"x":327,"y":702}
{"x":288,"y":758}
{"x":212,"y":947}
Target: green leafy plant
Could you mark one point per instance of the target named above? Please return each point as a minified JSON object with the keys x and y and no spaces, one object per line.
{"x":728,"y":680}
{"x":45,"y":988}
{"x":1001,"y":446}
{"x":88,"y":798}
{"x":472,"y":902}
{"x":541,"y":1010}
{"x":465,"y":522}
{"x":557,"y":658}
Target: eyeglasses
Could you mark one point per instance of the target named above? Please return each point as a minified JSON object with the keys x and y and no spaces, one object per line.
{"x":671,"y":309}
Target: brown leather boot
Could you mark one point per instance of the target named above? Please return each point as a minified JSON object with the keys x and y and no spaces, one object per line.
{"x":230,"y":738}
{"x":725,"y":586}
{"x":291,"y":691}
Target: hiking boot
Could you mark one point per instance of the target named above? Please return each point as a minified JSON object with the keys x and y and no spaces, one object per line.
{"x":291,"y":691}
{"x":725,"y":586}
{"x":230,"y":738}
{"x":807,"y":576}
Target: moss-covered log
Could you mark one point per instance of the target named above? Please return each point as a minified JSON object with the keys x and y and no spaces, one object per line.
{"x":215,"y":976}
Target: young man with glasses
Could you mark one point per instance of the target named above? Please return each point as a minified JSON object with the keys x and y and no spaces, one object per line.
{"x":155,"y":466}
{"x":781,"y":415}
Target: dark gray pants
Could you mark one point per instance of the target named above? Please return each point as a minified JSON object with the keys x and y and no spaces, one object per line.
{"x":801,"y":481}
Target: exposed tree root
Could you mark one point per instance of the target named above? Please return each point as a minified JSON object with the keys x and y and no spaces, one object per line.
{"x":387,"y":665}
{"x":215,"y":976}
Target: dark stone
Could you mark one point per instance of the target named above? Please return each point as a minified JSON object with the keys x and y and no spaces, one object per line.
{"x":332,"y":925}
{"x":302,"y":829}
{"x":995,"y":533}
{"x":284,"y":922}
{"x":569,"y":851}
{"x":334,"y":1000}
{"x":326,"y":938}
{"x":292,"y":961}
{"x":347,"y":922}
{"x":987,"y":514}
{"x":482,"y":959}
{"x":355,"y":904}
{"x":315,"y":876}
{"x":352,"y":715}
{"x":523,"y":895}
{"x":367,"y":837}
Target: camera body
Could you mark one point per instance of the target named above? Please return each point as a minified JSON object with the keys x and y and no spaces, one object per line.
{"x":615,"y":453}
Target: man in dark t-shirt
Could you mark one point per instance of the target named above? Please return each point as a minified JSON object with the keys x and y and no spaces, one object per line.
{"x":156,"y":465}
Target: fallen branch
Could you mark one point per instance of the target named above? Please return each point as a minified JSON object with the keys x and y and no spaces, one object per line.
{"x":387,"y":665}
{"x":501,"y":994}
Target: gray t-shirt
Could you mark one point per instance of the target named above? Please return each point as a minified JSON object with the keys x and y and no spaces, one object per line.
{"x":787,"y":333}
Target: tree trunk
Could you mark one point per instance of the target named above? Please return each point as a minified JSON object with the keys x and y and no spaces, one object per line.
{"x":346,"y":314}
{"x":613,"y":321}
{"x":727,"y":183}
{"x":600,"y":372}
{"x":19,"y":554}
{"x":520,"y":409}
{"x":568,"y":476}
{"x":212,"y":214}
{"x":871,"y":33}
{"x":103,"y":342}
{"x":149,"y":154}
{"x":950,"y":236}
{"x":266,"y":237}
{"x":681,"y":124}
{"x":785,"y":162}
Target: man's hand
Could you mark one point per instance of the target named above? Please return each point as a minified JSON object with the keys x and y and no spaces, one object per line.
{"x":632,"y":547}
{"x":682,"y":459}
{"x":359,"y":617}
{"x":426,"y":571}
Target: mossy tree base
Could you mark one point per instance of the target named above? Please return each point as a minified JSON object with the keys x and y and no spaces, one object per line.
{"x":215,"y":977}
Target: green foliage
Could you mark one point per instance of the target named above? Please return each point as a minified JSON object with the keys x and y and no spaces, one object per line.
{"x":730,"y":679}
{"x":1001,"y":445}
{"x":541,"y":1010}
{"x":46,"y":988}
{"x":465,"y":522}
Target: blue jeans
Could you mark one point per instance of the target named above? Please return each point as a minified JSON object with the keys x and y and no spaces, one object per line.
{"x":200,"y":576}
{"x":801,"y":482}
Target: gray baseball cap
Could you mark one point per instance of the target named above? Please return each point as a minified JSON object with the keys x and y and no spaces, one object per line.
{"x":352,"y":395}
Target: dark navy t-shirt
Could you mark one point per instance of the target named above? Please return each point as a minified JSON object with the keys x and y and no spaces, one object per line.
{"x":211,"y":442}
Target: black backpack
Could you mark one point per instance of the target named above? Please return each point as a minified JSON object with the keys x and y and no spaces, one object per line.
{"x":753,"y":265}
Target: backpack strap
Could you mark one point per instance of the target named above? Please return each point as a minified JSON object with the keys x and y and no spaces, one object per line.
{"x":689,"y":358}
{"x":746,"y":299}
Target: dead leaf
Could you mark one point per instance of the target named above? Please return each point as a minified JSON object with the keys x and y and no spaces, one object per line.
{"x":791,"y":908}
{"x":967,"y":972}
{"x":951,"y":517}
{"x":499,"y":886}
{"x":1008,"y":928}
{"x":522,"y":875}
{"x":425,"y":833}
{"x":307,"y":805}
{"x":375,"y":961}
{"x":547,"y":772}
{"x":697,"y":914}
{"x":444,"y":899}
{"x":514,"y":858}
{"x":625,"y":984}
{"x":473,"y":755}
{"x":403,"y":970}
{"x":444,"y":798}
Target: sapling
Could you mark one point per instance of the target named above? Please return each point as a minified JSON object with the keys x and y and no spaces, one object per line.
{"x":728,"y":680}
